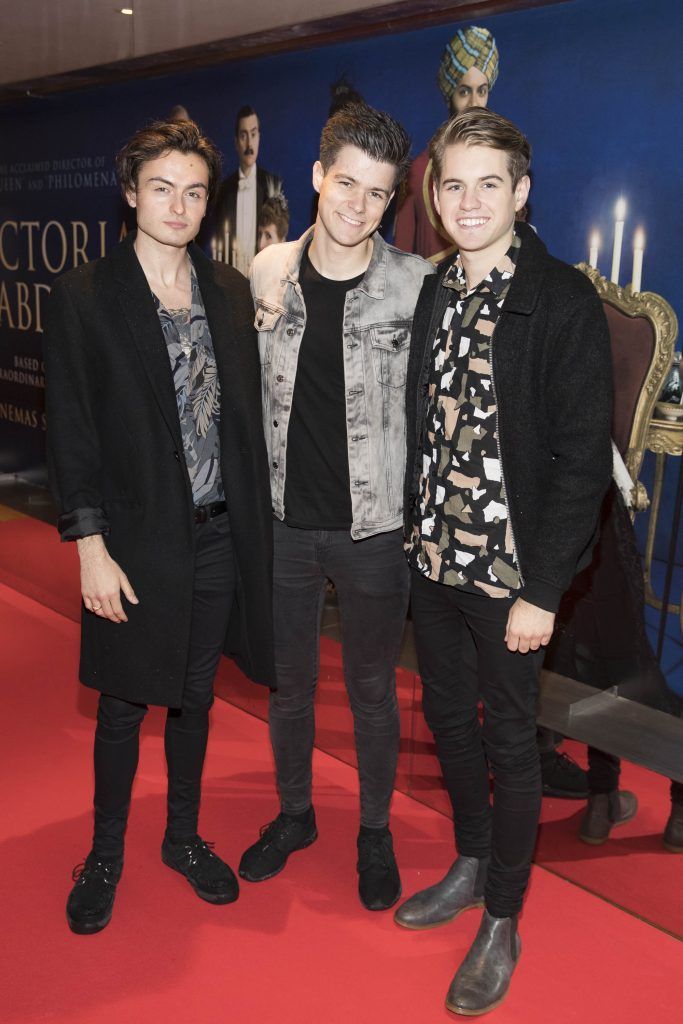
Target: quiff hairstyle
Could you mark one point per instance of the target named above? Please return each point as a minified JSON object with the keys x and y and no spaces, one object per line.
{"x":160,"y":138}
{"x":479,"y":126}
{"x":372,"y":131}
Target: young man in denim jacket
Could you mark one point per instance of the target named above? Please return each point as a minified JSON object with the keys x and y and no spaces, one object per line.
{"x":334,"y":313}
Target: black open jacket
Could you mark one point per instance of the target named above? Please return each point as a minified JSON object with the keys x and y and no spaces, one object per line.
{"x":552,"y":373}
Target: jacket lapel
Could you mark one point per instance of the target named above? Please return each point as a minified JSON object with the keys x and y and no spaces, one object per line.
{"x":138,"y":310}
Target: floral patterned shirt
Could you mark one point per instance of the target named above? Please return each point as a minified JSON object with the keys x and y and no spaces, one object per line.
{"x":461,"y":531}
{"x":197,"y":390}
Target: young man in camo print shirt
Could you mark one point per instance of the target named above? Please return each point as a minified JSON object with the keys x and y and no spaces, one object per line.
{"x":508,"y":429}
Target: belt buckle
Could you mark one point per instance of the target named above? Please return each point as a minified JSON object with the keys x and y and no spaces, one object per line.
{"x":201,"y":513}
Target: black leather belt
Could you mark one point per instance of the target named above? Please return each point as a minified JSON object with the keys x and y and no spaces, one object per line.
{"x":202,"y":513}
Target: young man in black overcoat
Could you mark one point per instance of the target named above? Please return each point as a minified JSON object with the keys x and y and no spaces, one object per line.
{"x":509,"y":456}
{"x":158,"y":464}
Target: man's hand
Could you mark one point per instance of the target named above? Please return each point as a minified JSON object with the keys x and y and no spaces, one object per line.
{"x":528,"y":627}
{"x":102,"y":580}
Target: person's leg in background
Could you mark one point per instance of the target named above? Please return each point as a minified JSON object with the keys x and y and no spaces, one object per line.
{"x":607,"y":806}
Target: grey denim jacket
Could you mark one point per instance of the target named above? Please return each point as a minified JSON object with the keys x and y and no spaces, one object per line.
{"x":378,"y":317}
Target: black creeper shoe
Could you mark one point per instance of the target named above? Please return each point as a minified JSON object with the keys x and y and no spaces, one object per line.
{"x":91,"y":901}
{"x":210,"y":877}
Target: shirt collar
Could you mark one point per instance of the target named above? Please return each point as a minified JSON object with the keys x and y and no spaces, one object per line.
{"x":497,"y":280}
{"x":247,"y":180}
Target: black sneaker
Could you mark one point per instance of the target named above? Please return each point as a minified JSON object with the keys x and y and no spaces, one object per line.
{"x":379,"y":883}
{"x":563,"y":777}
{"x":91,"y":901}
{"x":269,"y":853}
{"x":210,"y":877}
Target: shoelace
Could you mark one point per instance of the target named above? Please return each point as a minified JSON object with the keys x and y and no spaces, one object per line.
{"x":374,"y":851}
{"x":198,"y":846}
{"x":80,"y":869}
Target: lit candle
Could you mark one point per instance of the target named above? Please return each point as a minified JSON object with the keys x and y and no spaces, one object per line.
{"x":214,"y":249}
{"x":619,"y":218}
{"x":219,"y":249}
{"x":226,"y":243}
{"x":638,"y":247}
{"x":594,"y":249}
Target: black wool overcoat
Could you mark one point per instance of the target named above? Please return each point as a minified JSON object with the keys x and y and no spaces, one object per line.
{"x":115,"y":457}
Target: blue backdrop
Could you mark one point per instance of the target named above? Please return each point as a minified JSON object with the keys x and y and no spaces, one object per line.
{"x":596,"y":86}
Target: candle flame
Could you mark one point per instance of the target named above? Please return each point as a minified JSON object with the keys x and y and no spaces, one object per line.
{"x":639,"y":239}
{"x":620,"y":209}
{"x":595,"y":240}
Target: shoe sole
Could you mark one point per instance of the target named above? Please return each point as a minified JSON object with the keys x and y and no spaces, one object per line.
{"x":88,"y":928}
{"x":439,"y":924}
{"x":475,"y":1013}
{"x":672,"y":847}
{"x":208,"y":897}
{"x":264,"y":878}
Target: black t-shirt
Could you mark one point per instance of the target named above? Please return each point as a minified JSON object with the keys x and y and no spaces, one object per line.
{"x":317,"y":488}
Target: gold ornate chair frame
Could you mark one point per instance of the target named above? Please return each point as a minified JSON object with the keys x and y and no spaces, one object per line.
{"x":648,"y":432}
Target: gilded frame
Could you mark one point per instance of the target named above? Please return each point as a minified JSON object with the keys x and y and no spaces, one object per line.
{"x":665,"y":327}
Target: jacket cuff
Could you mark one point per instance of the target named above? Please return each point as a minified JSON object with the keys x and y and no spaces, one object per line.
{"x":82,"y":522}
{"x":543,"y":595}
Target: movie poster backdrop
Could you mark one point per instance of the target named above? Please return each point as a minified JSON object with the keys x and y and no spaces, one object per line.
{"x":596,"y":87}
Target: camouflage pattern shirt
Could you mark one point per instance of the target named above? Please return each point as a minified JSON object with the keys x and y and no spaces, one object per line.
{"x":197,"y":391}
{"x":461,"y":532}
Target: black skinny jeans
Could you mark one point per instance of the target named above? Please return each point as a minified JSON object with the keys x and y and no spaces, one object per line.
{"x":118,"y":721}
{"x":507,"y":686}
{"x":371,"y":579}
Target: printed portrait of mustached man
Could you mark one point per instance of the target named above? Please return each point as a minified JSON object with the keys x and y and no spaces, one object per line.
{"x":242,"y":195}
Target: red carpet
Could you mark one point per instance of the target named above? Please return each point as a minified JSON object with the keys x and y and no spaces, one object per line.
{"x":631,"y":870}
{"x":297,"y":949}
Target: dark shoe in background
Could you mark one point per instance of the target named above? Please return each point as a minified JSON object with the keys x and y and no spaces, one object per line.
{"x":269,"y":853}
{"x":604,"y":812}
{"x":91,"y":901}
{"x":673,"y":833}
{"x":210,"y":877}
{"x":563,"y":777}
{"x":461,"y":889}
{"x":482,"y":980}
{"x":379,"y":883}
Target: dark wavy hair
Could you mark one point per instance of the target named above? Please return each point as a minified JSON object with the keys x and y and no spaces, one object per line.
{"x":162,"y":137}
{"x":372,"y":131}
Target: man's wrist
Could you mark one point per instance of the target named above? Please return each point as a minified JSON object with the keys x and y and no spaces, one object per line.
{"x":91,"y":547}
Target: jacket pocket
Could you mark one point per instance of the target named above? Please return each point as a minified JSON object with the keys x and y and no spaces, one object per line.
{"x":390,"y":345}
{"x":266,"y":322}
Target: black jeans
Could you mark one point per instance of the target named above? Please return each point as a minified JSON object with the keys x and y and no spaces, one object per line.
{"x":507,"y":686}
{"x":118,"y":721}
{"x":604,"y":770}
{"x":371,"y":579}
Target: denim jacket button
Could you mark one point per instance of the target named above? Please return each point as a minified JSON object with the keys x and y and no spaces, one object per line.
{"x":279,"y":378}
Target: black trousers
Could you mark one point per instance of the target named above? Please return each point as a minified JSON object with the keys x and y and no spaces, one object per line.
{"x":371,"y":578}
{"x":507,"y":686}
{"x":185,"y":736}
{"x":604,"y":770}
